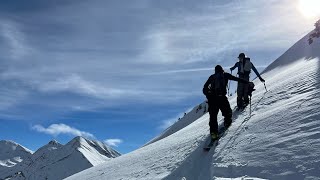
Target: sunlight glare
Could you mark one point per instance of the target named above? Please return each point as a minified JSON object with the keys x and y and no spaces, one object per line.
{"x":310,"y":8}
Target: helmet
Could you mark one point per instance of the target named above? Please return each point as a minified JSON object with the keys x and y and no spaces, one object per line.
{"x":241,"y":55}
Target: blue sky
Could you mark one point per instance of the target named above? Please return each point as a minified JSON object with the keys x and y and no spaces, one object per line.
{"x":120,"y":71}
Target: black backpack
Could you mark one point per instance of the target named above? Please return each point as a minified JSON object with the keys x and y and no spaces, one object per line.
{"x":247,"y":66}
{"x":250,"y":88}
{"x":218,"y":86}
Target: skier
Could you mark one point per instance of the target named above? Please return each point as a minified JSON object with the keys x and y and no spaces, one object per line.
{"x":244,"y":68}
{"x":215,"y":90}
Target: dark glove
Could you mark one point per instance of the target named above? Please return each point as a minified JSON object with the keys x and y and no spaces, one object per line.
{"x":262,"y":80}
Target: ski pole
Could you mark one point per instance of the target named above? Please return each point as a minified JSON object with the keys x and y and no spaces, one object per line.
{"x":229,"y":85}
{"x":265,"y":86}
{"x":250,"y":105}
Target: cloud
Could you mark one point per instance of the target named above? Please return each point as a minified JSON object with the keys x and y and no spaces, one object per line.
{"x":181,"y":71}
{"x":113,"y":142}
{"x":65,"y":62}
{"x":57,"y":129}
{"x":222,"y":30}
{"x":195,"y":70}
{"x":16,"y":43}
{"x":76,"y":84}
{"x":211,"y":69}
{"x":146,"y":52}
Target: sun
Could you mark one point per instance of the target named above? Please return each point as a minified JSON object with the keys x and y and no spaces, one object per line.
{"x":310,"y":8}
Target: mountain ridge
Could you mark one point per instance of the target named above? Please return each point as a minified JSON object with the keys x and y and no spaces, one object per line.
{"x":57,"y":161}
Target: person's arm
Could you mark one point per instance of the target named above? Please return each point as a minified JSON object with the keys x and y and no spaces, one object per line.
{"x":206,"y":89}
{"x":257,"y":73}
{"x":233,"y":78}
{"x":235,"y":65}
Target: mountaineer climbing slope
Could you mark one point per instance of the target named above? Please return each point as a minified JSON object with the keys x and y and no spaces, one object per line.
{"x":215,"y":89}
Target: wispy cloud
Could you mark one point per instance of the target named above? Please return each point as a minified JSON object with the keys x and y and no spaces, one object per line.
{"x":57,"y":129}
{"x":15,"y":40}
{"x":113,"y":142}
{"x":181,"y":71}
{"x":142,"y":53}
{"x":61,"y":60}
{"x":195,"y":70}
{"x":76,"y":84}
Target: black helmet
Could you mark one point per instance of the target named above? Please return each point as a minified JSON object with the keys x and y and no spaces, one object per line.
{"x":218,"y":69}
{"x":241,"y":55}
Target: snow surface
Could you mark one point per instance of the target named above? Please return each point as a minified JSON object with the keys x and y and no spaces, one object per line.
{"x":279,"y":140}
{"x":56,"y":161}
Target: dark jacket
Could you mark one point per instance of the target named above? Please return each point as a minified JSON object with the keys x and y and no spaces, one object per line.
{"x":209,"y":91}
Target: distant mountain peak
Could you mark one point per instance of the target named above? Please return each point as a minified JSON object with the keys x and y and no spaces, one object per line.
{"x":57,"y":161}
{"x":54,"y":142}
{"x":12,"y":153}
{"x":8,"y":145}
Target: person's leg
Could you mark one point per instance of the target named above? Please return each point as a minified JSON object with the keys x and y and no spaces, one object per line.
{"x":245,"y":94}
{"x":240,"y":95}
{"x":213,"y":111}
{"x":226,"y":111}
{"x":246,"y":90}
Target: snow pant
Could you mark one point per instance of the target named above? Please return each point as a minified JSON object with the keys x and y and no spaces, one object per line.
{"x":242,"y":91}
{"x":215,"y":104}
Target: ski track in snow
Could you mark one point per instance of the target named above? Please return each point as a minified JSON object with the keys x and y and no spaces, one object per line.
{"x":280,"y":140}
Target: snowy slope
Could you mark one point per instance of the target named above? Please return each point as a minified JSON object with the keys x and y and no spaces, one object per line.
{"x":11,"y":154}
{"x":189,"y":118}
{"x":56,"y":161}
{"x":280,"y":140}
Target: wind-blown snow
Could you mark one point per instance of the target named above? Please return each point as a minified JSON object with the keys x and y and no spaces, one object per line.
{"x":55,"y":161}
{"x":280,"y":140}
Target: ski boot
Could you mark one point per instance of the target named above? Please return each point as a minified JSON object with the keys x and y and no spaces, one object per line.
{"x":214,"y":136}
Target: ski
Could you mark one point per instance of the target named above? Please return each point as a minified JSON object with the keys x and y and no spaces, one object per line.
{"x":215,"y":141}
{"x":241,"y":109}
{"x":208,"y":147}
{"x":222,"y":129}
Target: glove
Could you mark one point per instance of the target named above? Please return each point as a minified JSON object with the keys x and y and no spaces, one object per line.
{"x":262,"y":80}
